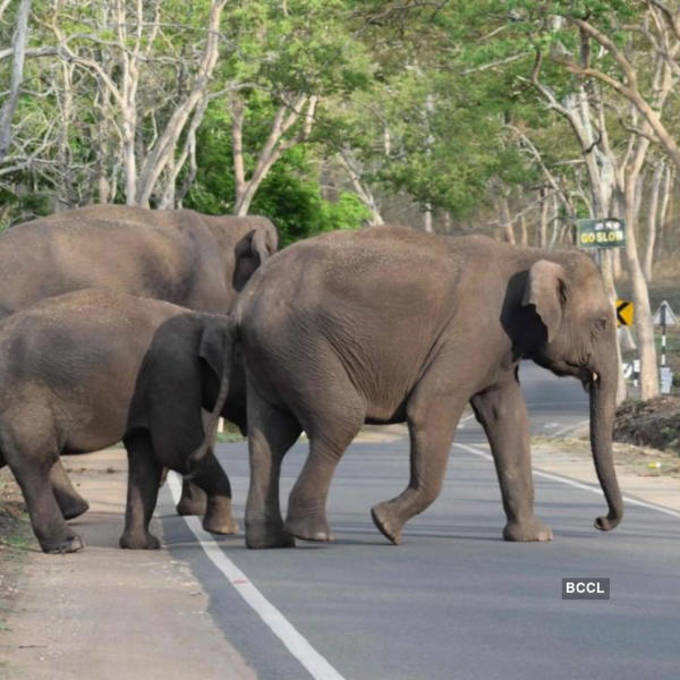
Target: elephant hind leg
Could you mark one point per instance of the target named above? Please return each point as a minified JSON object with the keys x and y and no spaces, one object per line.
{"x":431,"y":422}
{"x":31,"y":458}
{"x":210,"y":477}
{"x":332,"y":432}
{"x":194,"y":500}
{"x":70,"y":502}
{"x":144,"y":475}
{"x":271,"y":433}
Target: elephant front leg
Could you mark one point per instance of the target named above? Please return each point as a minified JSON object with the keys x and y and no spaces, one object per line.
{"x":502,"y":412}
{"x":70,"y":502}
{"x":144,"y":474}
{"x":211,"y":478}
{"x":432,"y":421}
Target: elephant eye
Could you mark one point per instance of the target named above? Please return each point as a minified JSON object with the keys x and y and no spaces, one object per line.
{"x":601,"y":324}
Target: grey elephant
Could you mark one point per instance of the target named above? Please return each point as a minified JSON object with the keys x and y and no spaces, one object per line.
{"x":197,"y":261}
{"x":81,"y":371}
{"x":388,"y":325}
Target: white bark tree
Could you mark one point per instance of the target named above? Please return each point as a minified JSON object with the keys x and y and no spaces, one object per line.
{"x":119,"y":64}
{"x":18,"y":50}
{"x":363,"y":190}
{"x":617,"y":175}
{"x":295,"y":109}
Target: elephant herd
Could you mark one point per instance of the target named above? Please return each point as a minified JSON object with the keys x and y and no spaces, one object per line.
{"x":121,"y":323}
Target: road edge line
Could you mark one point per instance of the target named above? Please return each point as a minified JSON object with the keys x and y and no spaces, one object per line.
{"x":573,"y":482}
{"x":317,"y":666}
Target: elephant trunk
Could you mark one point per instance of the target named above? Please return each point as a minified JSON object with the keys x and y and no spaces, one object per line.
{"x":602,"y":408}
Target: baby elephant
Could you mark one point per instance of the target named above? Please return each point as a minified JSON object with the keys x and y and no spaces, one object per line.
{"x":81,"y":371}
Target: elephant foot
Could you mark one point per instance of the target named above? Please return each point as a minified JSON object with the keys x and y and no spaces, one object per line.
{"x":388,"y":524}
{"x":311,"y":528}
{"x":191,"y":506}
{"x":74,"y":507}
{"x":70,"y":544}
{"x":220,"y":524}
{"x":139,"y":541}
{"x":218,"y":518}
{"x":194,"y":500}
{"x":530,"y":530}
{"x":260,"y":534}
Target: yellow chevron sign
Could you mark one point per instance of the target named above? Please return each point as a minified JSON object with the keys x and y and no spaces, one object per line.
{"x":624,"y":313}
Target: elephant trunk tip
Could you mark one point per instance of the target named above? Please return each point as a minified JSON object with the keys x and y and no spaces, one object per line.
{"x":611,"y":521}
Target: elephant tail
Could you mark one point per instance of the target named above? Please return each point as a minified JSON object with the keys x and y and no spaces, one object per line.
{"x":228,"y":336}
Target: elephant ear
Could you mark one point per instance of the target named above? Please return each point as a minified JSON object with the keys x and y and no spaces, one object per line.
{"x":250,"y":253}
{"x":546,"y":291}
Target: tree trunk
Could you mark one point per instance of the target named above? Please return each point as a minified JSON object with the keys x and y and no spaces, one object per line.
{"x":427,"y":218}
{"x":652,"y":212}
{"x":129,"y":158}
{"x":644,"y":326}
{"x":362,"y":190}
{"x":617,"y":266}
{"x":610,"y":288}
{"x":543,"y":224}
{"x":666,"y":194}
{"x":506,"y":221}
{"x":286,"y":116}
{"x":524,"y":232}
{"x":10,"y":104}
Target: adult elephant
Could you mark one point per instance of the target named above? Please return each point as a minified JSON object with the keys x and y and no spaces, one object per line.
{"x":181,"y":256}
{"x":390,"y":325}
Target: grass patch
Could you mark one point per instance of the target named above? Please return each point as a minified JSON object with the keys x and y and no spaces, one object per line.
{"x":16,"y":540}
{"x":231,"y":434}
{"x":654,"y":423}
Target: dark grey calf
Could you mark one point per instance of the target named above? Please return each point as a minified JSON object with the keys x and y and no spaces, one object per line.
{"x":84,"y":370}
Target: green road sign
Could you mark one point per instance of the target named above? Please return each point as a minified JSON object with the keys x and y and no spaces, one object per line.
{"x":609,"y":232}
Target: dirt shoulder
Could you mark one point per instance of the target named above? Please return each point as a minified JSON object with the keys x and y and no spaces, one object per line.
{"x":108,"y":613}
{"x":15,"y":537}
{"x":654,"y":423}
{"x":647,"y":474}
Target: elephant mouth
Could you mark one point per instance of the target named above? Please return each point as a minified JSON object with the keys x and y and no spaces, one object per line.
{"x":584,"y":373}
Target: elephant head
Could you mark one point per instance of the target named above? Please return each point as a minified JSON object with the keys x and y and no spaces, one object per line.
{"x":251,"y":252}
{"x":567,"y":325}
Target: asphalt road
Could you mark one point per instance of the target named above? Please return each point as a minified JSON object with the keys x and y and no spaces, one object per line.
{"x":454,"y":600}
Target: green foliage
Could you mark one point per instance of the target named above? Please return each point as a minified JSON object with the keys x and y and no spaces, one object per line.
{"x":433,"y":101}
{"x":290,"y":195}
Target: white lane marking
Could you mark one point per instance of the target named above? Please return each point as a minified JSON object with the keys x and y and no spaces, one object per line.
{"x":296,"y":644}
{"x":571,"y":482}
{"x":462,"y":422}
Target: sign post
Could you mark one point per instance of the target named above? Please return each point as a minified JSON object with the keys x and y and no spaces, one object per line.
{"x":603,"y":234}
{"x":665,"y":317}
